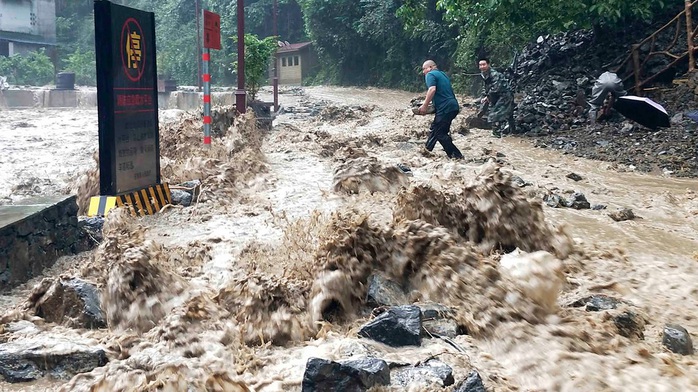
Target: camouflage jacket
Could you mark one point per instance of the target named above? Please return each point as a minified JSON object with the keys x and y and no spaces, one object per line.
{"x":495,"y":85}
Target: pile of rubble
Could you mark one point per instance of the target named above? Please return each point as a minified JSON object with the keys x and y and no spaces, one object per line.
{"x":553,"y":78}
{"x":555,"y":75}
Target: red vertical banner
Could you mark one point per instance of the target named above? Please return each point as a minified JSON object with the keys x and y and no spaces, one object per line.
{"x":212,"y":30}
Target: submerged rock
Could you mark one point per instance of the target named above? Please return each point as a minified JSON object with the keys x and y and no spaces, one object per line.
{"x":596,"y":303}
{"x":68,"y":301}
{"x":622,"y":215}
{"x":577,"y":201}
{"x":429,"y":373}
{"x":473,"y":383}
{"x":180,"y":197}
{"x":677,"y":339}
{"x":553,"y":200}
{"x":92,"y":226}
{"x":630,"y":325}
{"x":574,"y":177}
{"x":439,"y":320}
{"x":384,"y":292}
{"x":349,"y":375}
{"x":27,"y":360}
{"x":396,"y":327}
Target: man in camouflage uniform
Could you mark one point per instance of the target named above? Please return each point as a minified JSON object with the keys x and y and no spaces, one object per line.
{"x":497,"y":99}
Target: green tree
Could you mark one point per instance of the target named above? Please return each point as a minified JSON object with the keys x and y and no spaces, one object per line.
{"x":258,"y":55}
{"x":499,"y":26}
{"x":366,"y":43}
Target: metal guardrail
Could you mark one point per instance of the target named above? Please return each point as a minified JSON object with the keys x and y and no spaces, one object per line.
{"x":641,"y":53}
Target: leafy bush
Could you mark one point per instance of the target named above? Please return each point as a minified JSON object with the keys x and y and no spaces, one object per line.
{"x":34,"y":68}
{"x":84,"y":65}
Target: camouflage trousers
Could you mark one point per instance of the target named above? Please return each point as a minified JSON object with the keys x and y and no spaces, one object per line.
{"x":502,"y":109}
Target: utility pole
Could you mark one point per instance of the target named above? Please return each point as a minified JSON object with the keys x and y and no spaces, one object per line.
{"x":198,"y":44}
{"x":275,"y":78}
{"x":240,"y":94}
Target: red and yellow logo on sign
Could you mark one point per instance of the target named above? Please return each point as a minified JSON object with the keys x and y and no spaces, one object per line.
{"x":132,"y":49}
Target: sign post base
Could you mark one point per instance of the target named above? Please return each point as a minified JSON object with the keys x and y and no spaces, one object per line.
{"x":145,"y":201}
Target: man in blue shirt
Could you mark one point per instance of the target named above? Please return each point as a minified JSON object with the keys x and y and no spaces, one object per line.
{"x":439,"y":91}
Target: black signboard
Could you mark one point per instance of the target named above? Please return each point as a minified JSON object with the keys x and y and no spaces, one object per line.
{"x":129,"y":140}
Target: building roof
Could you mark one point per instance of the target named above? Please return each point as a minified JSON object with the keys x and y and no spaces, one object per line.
{"x":293,"y":47}
{"x":26,"y":38}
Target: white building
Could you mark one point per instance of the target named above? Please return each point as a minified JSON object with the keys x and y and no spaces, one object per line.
{"x":26,"y":25}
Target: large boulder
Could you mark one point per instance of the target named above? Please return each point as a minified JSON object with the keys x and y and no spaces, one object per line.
{"x":355,"y":375}
{"x":398,"y":326}
{"x":384,"y":292}
{"x":33,"y":358}
{"x":68,"y":301}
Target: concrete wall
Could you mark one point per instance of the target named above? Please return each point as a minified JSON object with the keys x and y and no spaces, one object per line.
{"x":35,"y":17}
{"x":46,"y":19}
{"x":16,"y":16}
{"x":184,"y":100}
{"x":50,"y":98}
{"x":34,"y":234}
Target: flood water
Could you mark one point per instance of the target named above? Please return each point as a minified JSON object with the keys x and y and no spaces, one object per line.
{"x":253,"y":252}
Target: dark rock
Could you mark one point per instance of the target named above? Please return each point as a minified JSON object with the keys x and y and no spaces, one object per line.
{"x":553,"y":200}
{"x":597,"y":207}
{"x":596,"y":303}
{"x":22,"y":361}
{"x":577,"y":201}
{"x":574,"y":177}
{"x":677,"y":339}
{"x":384,"y":292}
{"x":180,"y":197}
{"x":473,"y":383}
{"x":520,"y":182}
{"x":438,"y":320}
{"x":350,"y":375}
{"x":398,"y":326}
{"x":622,"y":215}
{"x":429,"y":373}
{"x":192,"y":187}
{"x":630,"y":325}
{"x":92,"y":226}
{"x":191,"y":184}
{"x":71,"y":302}
{"x":443,"y":328}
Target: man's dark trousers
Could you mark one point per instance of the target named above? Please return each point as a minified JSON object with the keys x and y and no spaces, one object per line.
{"x":440,"y":130}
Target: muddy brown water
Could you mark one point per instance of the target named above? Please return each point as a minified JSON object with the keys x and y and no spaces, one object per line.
{"x":650,"y":262}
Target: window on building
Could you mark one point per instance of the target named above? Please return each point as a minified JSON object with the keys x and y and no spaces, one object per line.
{"x":4,"y":48}
{"x":283,"y":61}
{"x":295,"y":60}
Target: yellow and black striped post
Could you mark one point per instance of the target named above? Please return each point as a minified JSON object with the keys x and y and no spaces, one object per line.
{"x":100,"y":205}
{"x":146,"y":201}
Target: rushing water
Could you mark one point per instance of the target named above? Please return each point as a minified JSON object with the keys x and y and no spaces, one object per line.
{"x":261,"y":257}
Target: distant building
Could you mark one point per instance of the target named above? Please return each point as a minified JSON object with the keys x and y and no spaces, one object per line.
{"x":26,"y":25}
{"x":294,"y":62}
